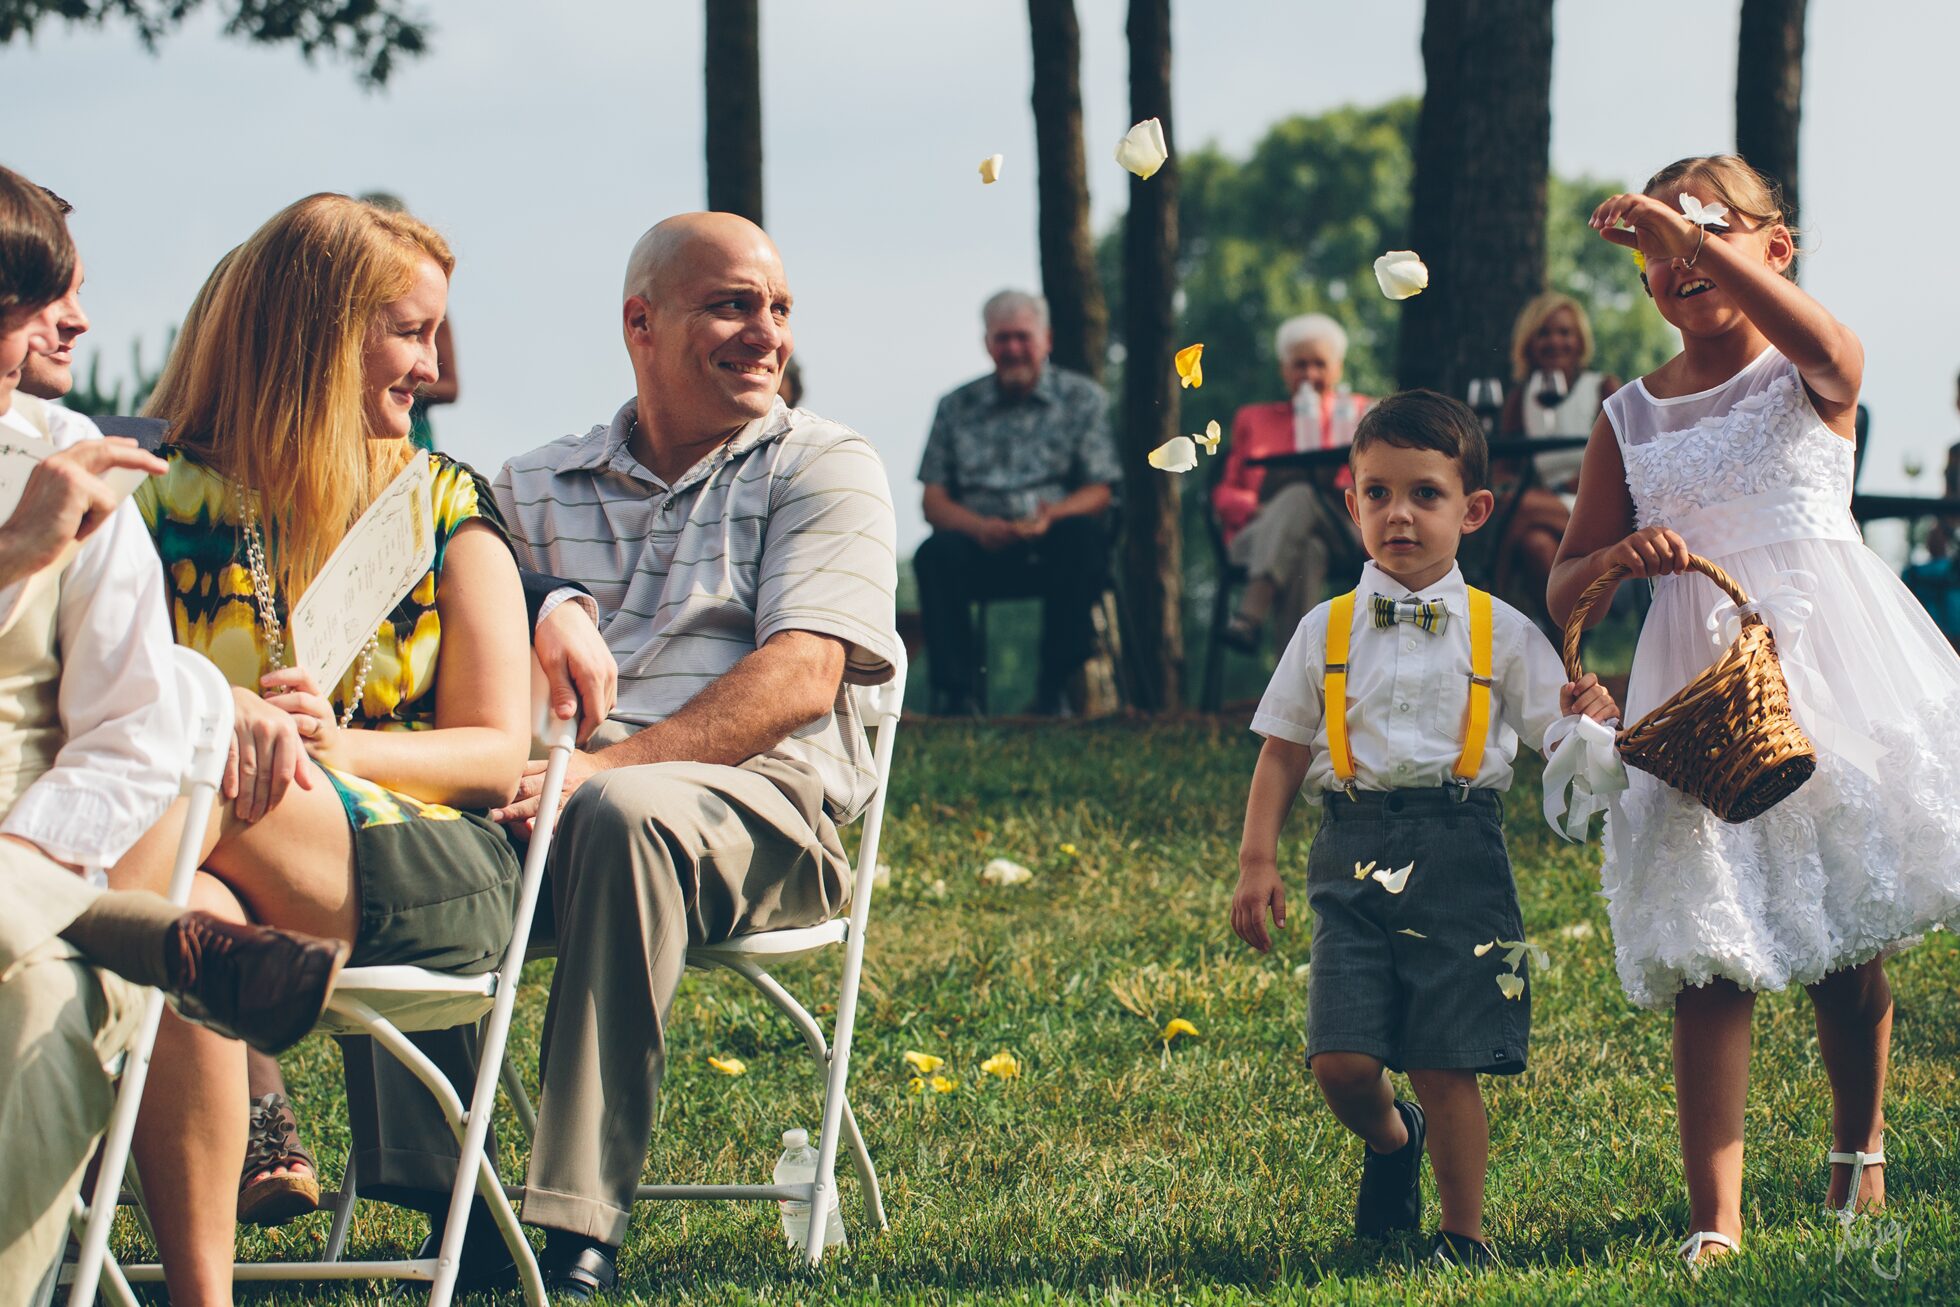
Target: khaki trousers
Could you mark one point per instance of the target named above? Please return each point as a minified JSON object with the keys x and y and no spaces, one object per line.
{"x":60,"y":1020}
{"x":1287,"y":542}
{"x":647,"y":861}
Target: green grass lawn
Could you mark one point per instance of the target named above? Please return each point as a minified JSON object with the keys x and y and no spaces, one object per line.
{"x":1208,"y":1171}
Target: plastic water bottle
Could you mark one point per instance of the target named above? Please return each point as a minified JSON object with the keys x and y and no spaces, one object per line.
{"x":1306,"y":417}
{"x":1347,"y":415}
{"x":798,"y":1165}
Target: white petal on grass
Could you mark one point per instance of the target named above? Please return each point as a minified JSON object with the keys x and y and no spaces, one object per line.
{"x":1704,"y":215}
{"x":1142,"y":149}
{"x":1002,"y":872}
{"x":1178,"y":454}
{"x":1512,"y":985}
{"x":881,"y":875}
{"x":1577,"y":930}
{"x":1401,"y":274}
{"x":990,"y":168}
{"x":1395,"y":881}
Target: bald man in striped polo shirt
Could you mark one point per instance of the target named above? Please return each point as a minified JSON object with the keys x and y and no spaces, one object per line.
{"x":743,"y":557}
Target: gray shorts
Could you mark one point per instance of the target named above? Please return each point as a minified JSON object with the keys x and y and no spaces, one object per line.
{"x":1422,"y":1000}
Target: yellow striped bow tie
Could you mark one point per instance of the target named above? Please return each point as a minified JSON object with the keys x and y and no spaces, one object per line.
{"x":1430,"y":615}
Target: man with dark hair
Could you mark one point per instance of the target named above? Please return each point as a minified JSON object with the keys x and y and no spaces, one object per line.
{"x":50,"y":374}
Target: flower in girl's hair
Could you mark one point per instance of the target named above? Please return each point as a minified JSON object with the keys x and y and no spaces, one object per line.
{"x":1211,"y":437}
{"x":731,"y":1066}
{"x":1400,"y":274}
{"x":1178,"y":1026}
{"x":924,"y":1063}
{"x":1178,"y":454}
{"x":1002,"y":1064}
{"x":1511,"y":985}
{"x":1704,"y":215}
{"x":1190,"y":366}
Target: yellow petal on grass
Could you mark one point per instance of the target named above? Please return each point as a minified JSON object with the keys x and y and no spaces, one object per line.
{"x":1395,"y":881}
{"x":990,"y":168}
{"x":943,"y":1084}
{"x":918,"y":1085}
{"x":1070,"y":851}
{"x":1512,"y":985}
{"x":1143,"y":149}
{"x":1401,"y":274}
{"x":1210,"y":438}
{"x":1002,"y":1064}
{"x":1178,"y":454}
{"x":1189,"y":363}
{"x":730,"y":1066}
{"x":924,"y":1063}
{"x":1361,"y":872}
{"x":1178,"y":1026}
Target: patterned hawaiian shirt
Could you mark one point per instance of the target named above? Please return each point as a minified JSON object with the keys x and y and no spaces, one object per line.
{"x":1006,"y":457}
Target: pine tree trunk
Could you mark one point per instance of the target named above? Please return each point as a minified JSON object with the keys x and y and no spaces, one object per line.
{"x":1477,"y":207}
{"x":733,"y":76}
{"x":1068,"y":254}
{"x":1769,"y":90}
{"x":1153,"y":579}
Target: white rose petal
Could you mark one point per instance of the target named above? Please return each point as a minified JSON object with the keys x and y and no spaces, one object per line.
{"x":1142,"y":149}
{"x":1395,"y":881}
{"x":1178,"y":454}
{"x":1401,"y":274}
{"x":1704,"y":215}
{"x":1303,"y":969}
{"x":1211,"y":437}
{"x":937,"y":889}
{"x":1412,"y":934}
{"x":1482,"y":949}
{"x":1513,"y":986}
{"x":1002,"y":872}
{"x":990,"y":168}
{"x":1577,"y":930}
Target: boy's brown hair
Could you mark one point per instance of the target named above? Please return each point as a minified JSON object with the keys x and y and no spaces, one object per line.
{"x":1424,"y":419}
{"x":37,"y":256}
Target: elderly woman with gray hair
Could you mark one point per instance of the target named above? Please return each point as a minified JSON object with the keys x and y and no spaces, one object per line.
{"x":1275,"y":526}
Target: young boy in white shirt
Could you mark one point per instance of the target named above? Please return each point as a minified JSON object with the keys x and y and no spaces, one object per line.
{"x":1402,"y":705}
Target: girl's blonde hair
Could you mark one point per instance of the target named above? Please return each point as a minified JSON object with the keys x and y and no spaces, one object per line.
{"x":1730,"y":179}
{"x":1535,"y":316}
{"x":266,"y":384}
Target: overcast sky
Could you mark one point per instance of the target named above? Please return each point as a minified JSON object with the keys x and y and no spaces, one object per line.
{"x":544,"y":147}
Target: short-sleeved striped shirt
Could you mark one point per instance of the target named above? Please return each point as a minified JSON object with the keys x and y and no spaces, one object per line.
{"x":786,"y":526}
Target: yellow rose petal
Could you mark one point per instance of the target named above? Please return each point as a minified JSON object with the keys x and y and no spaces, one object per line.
{"x":732,"y":1066}
{"x":918,"y":1085}
{"x":1190,"y":366}
{"x":1362,"y":873}
{"x":944,"y":1084}
{"x":1070,"y":851}
{"x":1002,"y":1064}
{"x":990,"y":168}
{"x":1178,"y":1026}
{"x":924,"y":1063}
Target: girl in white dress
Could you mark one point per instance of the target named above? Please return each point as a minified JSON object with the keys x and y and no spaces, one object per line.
{"x":1740,"y":449}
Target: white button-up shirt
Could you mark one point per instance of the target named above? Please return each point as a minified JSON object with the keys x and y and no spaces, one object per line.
{"x":1409,"y":691}
{"x":124,"y":748}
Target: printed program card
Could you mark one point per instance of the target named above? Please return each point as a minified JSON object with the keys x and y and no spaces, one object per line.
{"x":380,"y":560}
{"x":19,"y":455}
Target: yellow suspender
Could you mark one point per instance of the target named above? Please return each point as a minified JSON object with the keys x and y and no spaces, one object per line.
{"x":1476,"y":732}
{"x":1477,"y":729}
{"x":1340,"y":625}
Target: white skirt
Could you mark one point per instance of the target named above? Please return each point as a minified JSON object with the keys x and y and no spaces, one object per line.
{"x":1849,"y":867}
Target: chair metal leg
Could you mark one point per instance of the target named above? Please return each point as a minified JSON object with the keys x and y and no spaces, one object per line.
{"x":343,"y":1210}
{"x":520,"y":1101}
{"x":1212,"y":696}
{"x":874,"y":1198}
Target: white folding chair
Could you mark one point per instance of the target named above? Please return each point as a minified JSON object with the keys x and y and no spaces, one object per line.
{"x":748,"y":956}
{"x":386,"y":1002}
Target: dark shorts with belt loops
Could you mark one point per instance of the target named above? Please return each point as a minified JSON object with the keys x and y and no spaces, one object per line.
{"x":1396,"y":976}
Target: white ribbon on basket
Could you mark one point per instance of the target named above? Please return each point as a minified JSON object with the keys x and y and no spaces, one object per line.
{"x":1785,"y":608}
{"x":1583,"y":776}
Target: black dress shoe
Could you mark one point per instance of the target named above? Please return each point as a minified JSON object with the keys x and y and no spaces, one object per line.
{"x":1391,"y":1183}
{"x":576,"y":1268}
{"x":1461,"y":1250}
{"x":255,"y":983}
{"x":487,"y":1266}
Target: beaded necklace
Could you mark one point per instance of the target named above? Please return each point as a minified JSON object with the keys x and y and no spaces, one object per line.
{"x":269,"y":628}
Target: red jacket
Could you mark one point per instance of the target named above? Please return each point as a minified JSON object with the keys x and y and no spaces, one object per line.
{"x":1260,"y":430}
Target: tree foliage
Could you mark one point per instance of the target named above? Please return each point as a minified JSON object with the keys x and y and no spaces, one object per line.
{"x":371,"y":34}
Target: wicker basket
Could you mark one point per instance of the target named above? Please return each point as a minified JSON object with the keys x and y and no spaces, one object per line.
{"x":1727,"y":739}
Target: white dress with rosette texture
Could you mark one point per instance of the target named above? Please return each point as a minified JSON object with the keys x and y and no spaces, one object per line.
{"x":1865,"y":857}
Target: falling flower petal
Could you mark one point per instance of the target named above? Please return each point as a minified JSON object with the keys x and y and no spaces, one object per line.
{"x":1515,"y":951}
{"x":1482,"y":949}
{"x":1512,"y":985}
{"x":1210,"y":438}
{"x":1704,"y":215}
{"x":1002,"y":1064}
{"x":924,"y":1063}
{"x":1142,"y":149}
{"x":1002,"y":872}
{"x":1178,"y":1026}
{"x":1412,"y":934}
{"x":1178,"y":454}
{"x":1189,"y":363}
{"x":1361,"y":872}
{"x":731,"y":1066}
{"x":1394,"y":881}
{"x":1401,"y":274}
{"x":990,"y":168}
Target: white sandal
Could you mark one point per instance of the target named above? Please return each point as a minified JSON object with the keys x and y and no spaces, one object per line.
{"x":1857,"y":1162}
{"x":1690,"y":1250}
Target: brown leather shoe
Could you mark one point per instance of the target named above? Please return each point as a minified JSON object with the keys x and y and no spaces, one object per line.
{"x":255,"y":983}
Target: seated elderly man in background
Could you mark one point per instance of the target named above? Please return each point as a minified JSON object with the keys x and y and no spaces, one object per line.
{"x":743,"y":557}
{"x":1275,"y":525}
{"x":1019,"y":471}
